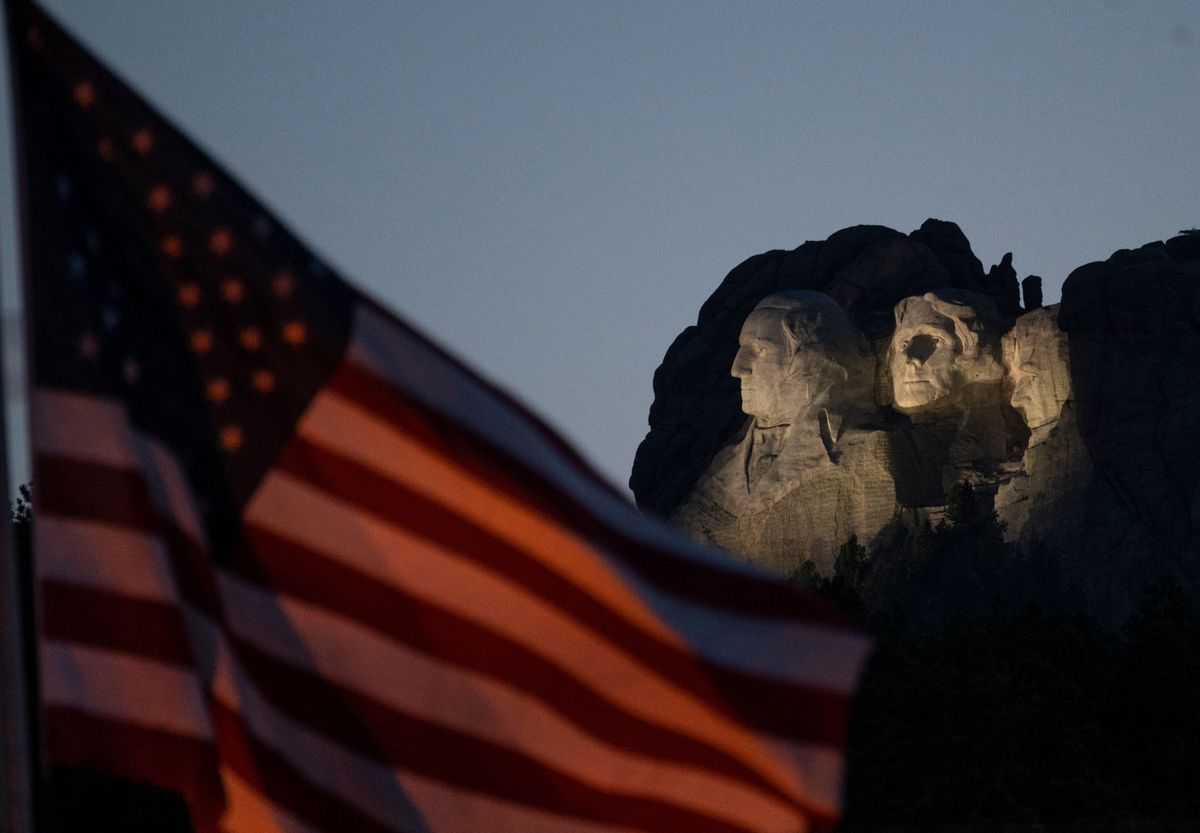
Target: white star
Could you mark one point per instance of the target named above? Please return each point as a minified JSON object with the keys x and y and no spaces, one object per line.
{"x":89,"y":347}
{"x":131,"y":371}
{"x":77,"y":264}
{"x":110,"y":317}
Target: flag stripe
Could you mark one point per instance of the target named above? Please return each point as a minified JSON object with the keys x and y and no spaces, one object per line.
{"x":287,"y":565}
{"x":74,"y":488}
{"x":357,"y":720}
{"x":381,"y":676}
{"x":303,"y":574}
{"x":83,"y":615}
{"x":560,"y":564}
{"x":419,"y":746}
{"x":292,"y":569}
{"x":81,"y":491}
{"x":789,"y":710}
{"x":246,"y":808}
{"x":380,"y":792}
{"x":847,"y":648}
{"x":551,"y":557}
{"x":399,"y":561}
{"x":123,"y":687}
{"x":126,"y":561}
{"x":97,"y":430}
{"x":168,"y":760}
{"x":390,"y":370}
{"x":123,"y":625}
{"x":288,"y":787}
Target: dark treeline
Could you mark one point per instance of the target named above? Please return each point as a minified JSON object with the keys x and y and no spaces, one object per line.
{"x":988,"y":707}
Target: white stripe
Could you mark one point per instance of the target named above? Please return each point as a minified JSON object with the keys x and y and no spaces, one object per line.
{"x":91,"y":428}
{"x":790,"y":651}
{"x":120,"y":686}
{"x":361,"y":660}
{"x":426,"y":376}
{"x":103,"y":556}
{"x":292,"y":509}
{"x":453,"y":811}
{"x":821,"y":770}
{"x":812,"y":655}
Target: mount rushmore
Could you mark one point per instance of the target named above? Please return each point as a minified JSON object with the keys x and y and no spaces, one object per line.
{"x":844,"y":391}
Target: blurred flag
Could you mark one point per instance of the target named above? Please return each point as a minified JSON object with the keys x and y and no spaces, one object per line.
{"x":300,"y":566}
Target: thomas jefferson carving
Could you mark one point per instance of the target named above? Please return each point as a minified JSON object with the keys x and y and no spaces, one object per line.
{"x":945,"y":344}
{"x":944,"y":362}
{"x":806,"y":470}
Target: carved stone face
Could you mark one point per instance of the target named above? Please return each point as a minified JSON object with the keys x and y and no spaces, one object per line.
{"x":1035,"y":352}
{"x":924,"y":359}
{"x":779,"y":376}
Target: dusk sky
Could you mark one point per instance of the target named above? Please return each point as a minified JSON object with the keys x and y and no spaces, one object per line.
{"x":552,"y":189}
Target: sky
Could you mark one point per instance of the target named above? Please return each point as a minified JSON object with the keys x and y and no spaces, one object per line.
{"x":552,"y":189}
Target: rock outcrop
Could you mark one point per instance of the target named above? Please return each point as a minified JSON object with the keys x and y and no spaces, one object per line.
{"x":866,"y":269}
{"x":846,"y":388}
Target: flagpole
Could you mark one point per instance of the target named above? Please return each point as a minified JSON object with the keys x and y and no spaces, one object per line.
{"x":16,"y":738}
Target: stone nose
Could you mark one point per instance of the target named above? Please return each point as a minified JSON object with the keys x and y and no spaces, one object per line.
{"x":740,"y":366}
{"x":919,"y":349}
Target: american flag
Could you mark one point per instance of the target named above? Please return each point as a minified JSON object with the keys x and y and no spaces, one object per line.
{"x":300,"y":566}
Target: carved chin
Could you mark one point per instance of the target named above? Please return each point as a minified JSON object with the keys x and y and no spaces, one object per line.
{"x":916,"y":394}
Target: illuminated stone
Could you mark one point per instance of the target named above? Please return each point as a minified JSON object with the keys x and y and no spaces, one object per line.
{"x":805,"y":472}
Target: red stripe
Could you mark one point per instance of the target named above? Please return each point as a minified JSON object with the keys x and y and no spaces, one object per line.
{"x":785,"y":709}
{"x":74,"y":488}
{"x":304,"y":574}
{"x":456,"y":758}
{"x":91,"y":617}
{"x":183,"y":765}
{"x":71,"y":488}
{"x":705,"y":583}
